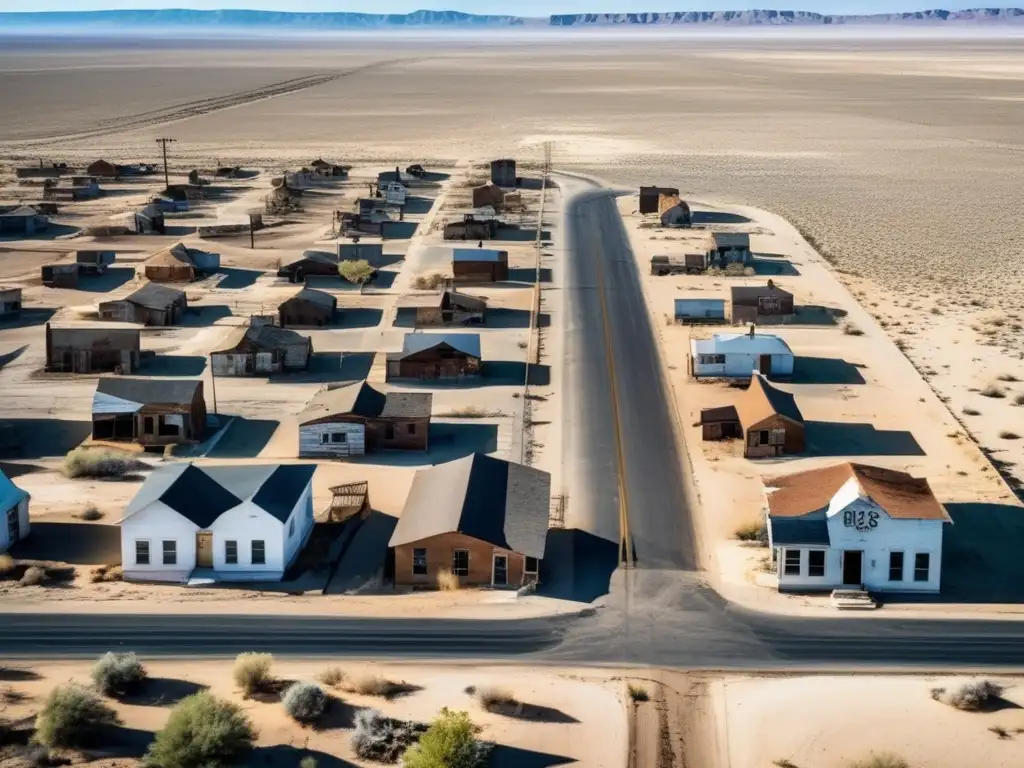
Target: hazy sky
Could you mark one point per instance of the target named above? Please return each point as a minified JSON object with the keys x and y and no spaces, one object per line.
{"x":517,"y":7}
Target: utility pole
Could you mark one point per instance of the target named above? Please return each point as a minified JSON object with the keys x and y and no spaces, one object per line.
{"x":163,"y":144}
{"x":213,"y":385}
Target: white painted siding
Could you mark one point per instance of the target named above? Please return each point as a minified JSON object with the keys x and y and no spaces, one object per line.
{"x":158,"y":523}
{"x":245,"y":524}
{"x":302,"y":517}
{"x":23,"y":524}
{"x":311,"y":444}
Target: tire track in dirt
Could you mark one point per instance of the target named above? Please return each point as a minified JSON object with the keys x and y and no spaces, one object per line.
{"x":191,"y":109}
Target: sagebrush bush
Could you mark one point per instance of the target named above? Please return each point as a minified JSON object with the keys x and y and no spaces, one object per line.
{"x":994,"y":391}
{"x":305,"y":702}
{"x":449,"y":742}
{"x":72,"y":717}
{"x":430,"y":282}
{"x":33,"y":576}
{"x":202,"y":732}
{"x":490,"y":697}
{"x":356,"y":271}
{"x":971,"y":696}
{"x":117,"y":674}
{"x":98,"y":462}
{"x":90,"y":513}
{"x":638,"y":693}
{"x":383,"y":739}
{"x":252,"y":672}
{"x":332,"y":676}
{"x":754,"y":530}
{"x":447,"y":581}
{"x":371,"y":685}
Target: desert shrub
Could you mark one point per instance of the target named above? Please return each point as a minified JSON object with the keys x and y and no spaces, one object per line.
{"x":971,"y":696}
{"x":104,"y":573}
{"x":1008,"y":435}
{"x":116,"y":674}
{"x":1009,"y":377}
{"x":784,"y":763}
{"x":1018,"y":399}
{"x":968,"y":411}
{"x":72,"y":717}
{"x":447,"y":581}
{"x":332,"y":676}
{"x":851,"y":329}
{"x":202,"y":732}
{"x":490,"y":697}
{"x":356,"y":271}
{"x":90,"y":513}
{"x":429,"y":282}
{"x":383,"y":739}
{"x":993,"y":391}
{"x":882,"y":760}
{"x":33,"y":576}
{"x":638,"y":693}
{"x":755,"y":530}
{"x":252,"y":672}
{"x":98,"y":462}
{"x":372,"y":685}
{"x":305,"y":702}
{"x":449,"y":742}
{"x":999,"y":731}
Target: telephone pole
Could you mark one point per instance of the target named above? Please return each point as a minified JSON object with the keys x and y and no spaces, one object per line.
{"x":163,"y":144}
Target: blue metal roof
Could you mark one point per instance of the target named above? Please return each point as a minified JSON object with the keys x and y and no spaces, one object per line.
{"x":478,"y":254}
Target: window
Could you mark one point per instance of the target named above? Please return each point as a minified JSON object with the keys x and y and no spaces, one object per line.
{"x":410,"y":428}
{"x":531,"y":566}
{"x":763,"y":436}
{"x":816,"y":563}
{"x":291,"y":528}
{"x":170,"y":553}
{"x":142,"y":553}
{"x":419,"y":561}
{"x":791,"y":565}
{"x":231,"y":552}
{"x":147,"y":425}
{"x":259,"y":553}
{"x":460,"y":562}
{"x":895,"y":566}
{"x":922,"y":565}
{"x":338,"y":437}
{"x":712,"y":359}
{"x":389,"y":431}
{"x":325,"y":438}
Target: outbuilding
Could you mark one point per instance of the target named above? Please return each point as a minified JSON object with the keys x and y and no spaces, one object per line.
{"x":479,"y":265}
{"x":60,"y":275}
{"x":103,"y":169}
{"x":10,"y":301}
{"x":503,"y":172}
{"x":444,"y":356}
{"x":150,"y":412}
{"x":261,"y":349}
{"x":93,"y":261}
{"x":482,"y":519}
{"x":327,"y":170}
{"x":92,"y":349}
{"x":739,"y":355}
{"x":23,"y":220}
{"x":673,"y":211}
{"x":152,"y":304}
{"x":757,"y":303}
{"x":443,"y":308}
{"x":180,"y":264}
{"x":854,"y":526}
{"x":471,"y":228}
{"x":312,"y":263}
{"x":353,"y":419}
{"x":650,"y":197}
{"x":692,"y":311}
{"x":307,"y":308}
{"x":14,"y":525}
{"x":223,"y":523}
{"x":149,"y":220}
{"x":730,"y":248}
{"x":41,"y":171}
{"x":765,"y":417}
{"x":489,"y":194}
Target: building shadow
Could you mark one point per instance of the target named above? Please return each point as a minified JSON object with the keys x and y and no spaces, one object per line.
{"x":363,"y":559}
{"x":9,"y":357}
{"x":119,"y":741}
{"x":244,"y":438}
{"x":205,"y":315}
{"x":52,"y":232}
{"x":449,"y":440}
{"x":110,"y":280}
{"x":163,"y":692}
{"x":434,"y":177}
{"x":505,"y":756}
{"x":27,"y":318}
{"x":328,"y":283}
{"x":773,"y":267}
{"x":358,"y":317}
{"x":323,"y":366}
{"x":382,"y":279}
{"x":529,"y":182}
{"x":235,"y":278}
{"x":416,"y":204}
{"x":514,"y":318}
{"x":399,"y":230}
{"x":701,"y":218}
{"x":510,"y":372}
{"x":830,"y":438}
{"x":577,"y":565}
{"x":287,"y":756}
{"x":825,"y":370}
{"x":39,"y":438}
{"x":18,"y":675}
{"x":529,"y":275}
{"x":805,"y":314}
{"x":73,"y":543}
{"x":172,"y":365}
{"x":179,"y":230}
{"x":521,"y":235}
{"x":533,"y":712}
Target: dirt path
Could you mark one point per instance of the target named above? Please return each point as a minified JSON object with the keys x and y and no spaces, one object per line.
{"x":675,"y":727}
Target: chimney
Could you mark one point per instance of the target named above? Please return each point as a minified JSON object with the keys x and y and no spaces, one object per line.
{"x":751,"y":330}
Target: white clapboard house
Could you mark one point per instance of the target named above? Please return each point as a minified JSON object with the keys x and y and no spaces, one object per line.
{"x":14,"y":506}
{"x":738,"y":355}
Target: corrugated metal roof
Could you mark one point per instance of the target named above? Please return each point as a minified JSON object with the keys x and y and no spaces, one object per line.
{"x":479,"y":254}
{"x":361,"y":399}
{"x":155,"y":296}
{"x":467,"y":343}
{"x":312,"y":296}
{"x":103,"y":403}
{"x":147,"y":391}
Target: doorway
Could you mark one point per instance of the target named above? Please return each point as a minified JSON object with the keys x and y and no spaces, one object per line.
{"x":853,"y":565}
{"x":204,"y":550}
{"x":764,"y":365}
{"x":499,"y":575}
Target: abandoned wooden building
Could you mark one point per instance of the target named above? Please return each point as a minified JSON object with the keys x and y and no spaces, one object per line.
{"x":312,"y":263}
{"x":41,"y":171}
{"x":152,"y":304}
{"x":261,"y":349}
{"x":766,"y":418}
{"x":730,"y":248}
{"x":481,"y":518}
{"x":444,"y":356}
{"x":651,"y":196}
{"x":760,"y":303}
{"x":78,"y":349}
{"x":150,"y":412}
{"x":479,"y":265}
{"x":679,"y":264}
{"x":489,"y":194}
{"x":10,"y":301}
{"x":179,"y":264}
{"x":692,"y":311}
{"x":23,"y":220}
{"x":327,"y":170}
{"x":673,"y":211}
{"x":503,"y":172}
{"x":94,"y":262}
{"x":61,"y":275}
{"x":471,"y":228}
{"x":353,"y":419}
{"x":443,"y":308}
{"x":149,"y":220}
{"x":102,"y":169}
{"x":371,"y":253}
{"x":307,"y":308}
{"x":72,"y":188}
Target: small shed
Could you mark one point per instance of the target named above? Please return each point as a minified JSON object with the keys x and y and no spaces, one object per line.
{"x":432,"y":356}
{"x":94,"y":262}
{"x":24,"y":220}
{"x":10,"y":301}
{"x":14,"y":517}
{"x":479,"y":265}
{"x":373,"y":253}
{"x":443,"y":308}
{"x":700,"y":311}
{"x":328,"y":170}
{"x":650,"y":197}
{"x":489,"y":194}
{"x":312,"y":263}
{"x":103,"y":169}
{"x":751,"y":303}
{"x":152,"y":304}
{"x":91,"y":349}
{"x":353,"y":419}
{"x":308,"y":307}
{"x":52,"y":171}
{"x":740,"y":355}
{"x":180,"y":264}
{"x":258,"y":350}
{"x":148,"y":411}
{"x":503,"y":172}
{"x":61,"y":275}
{"x":730,"y":248}
{"x":149,"y":220}
{"x":674,"y":212}
{"x":471,"y":228}
{"x":766,"y":418}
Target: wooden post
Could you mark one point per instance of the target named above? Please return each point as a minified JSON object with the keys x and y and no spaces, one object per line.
{"x":213,"y":386}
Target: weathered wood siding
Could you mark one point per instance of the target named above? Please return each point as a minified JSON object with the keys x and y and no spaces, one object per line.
{"x":311,"y":445}
{"x":440,"y":551}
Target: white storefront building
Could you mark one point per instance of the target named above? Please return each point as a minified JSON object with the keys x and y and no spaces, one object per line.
{"x":855,"y":526}
{"x":738,"y":355}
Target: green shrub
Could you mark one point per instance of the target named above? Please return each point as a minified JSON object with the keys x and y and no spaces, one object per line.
{"x":305,"y":702}
{"x":449,"y":742}
{"x":98,"y":462}
{"x":356,"y":271}
{"x":754,"y":530}
{"x":252,"y":672}
{"x":638,"y":693}
{"x":202,"y":732}
{"x":117,"y":674}
{"x":71,"y":717}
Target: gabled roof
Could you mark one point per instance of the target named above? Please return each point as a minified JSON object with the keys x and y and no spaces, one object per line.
{"x":321,"y":257}
{"x":761,"y":401}
{"x":10,"y":494}
{"x":479,"y":254}
{"x":265,"y":336}
{"x":116,"y":394}
{"x":312,"y":296}
{"x":360,"y":399}
{"x":175,"y":255}
{"x":498,"y":502}
{"x":155,"y":296}
{"x":741,"y":293}
{"x":466,"y":343}
{"x":22,"y":212}
{"x":899,"y":494}
{"x":203,"y":494}
{"x":741,"y":343}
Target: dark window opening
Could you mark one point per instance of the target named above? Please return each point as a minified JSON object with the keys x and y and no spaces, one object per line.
{"x":259,"y":553}
{"x":791,"y":565}
{"x":231,"y":552}
{"x":170,"y":553}
{"x":816,"y":562}
{"x":142,"y":553}
{"x":389,"y":431}
{"x":895,"y":566}
{"x":460,"y":562}
{"x":419,"y":562}
{"x":531,"y":565}
{"x":922,"y":566}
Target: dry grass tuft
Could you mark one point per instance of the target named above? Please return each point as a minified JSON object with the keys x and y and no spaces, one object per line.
{"x":1008,"y":377}
{"x":99,"y":462}
{"x":972,"y":696}
{"x":993,"y":391}
{"x":754,"y":530}
{"x":332,"y":676}
{"x":638,"y":693}
{"x":90,"y":512}
{"x":1008,"y":435}
{"x":430,"y":282}
{"x":447,"y":581}
{"x":491,"y":697}
{"x":33,"y":576}
{"x":851,"y":329}
{"x":252,"y":672}
{"x":881,"y":760}
{"x":968,"y":411}
{"x":106,"y":573}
